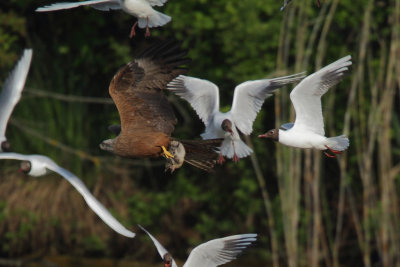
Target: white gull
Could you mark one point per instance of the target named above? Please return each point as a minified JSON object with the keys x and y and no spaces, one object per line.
{"x":308,"y":128}
{"x":38,"y":165}
{"x":248,"y":98}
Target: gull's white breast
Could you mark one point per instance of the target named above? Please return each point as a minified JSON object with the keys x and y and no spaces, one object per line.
{"x":137,"y":8}
{"x":302,"y":139}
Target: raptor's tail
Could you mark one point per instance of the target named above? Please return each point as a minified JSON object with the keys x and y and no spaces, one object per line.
{"x":202,"y":154}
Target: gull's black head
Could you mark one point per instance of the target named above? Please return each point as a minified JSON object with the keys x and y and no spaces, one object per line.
{"x":25,"y":166}
{"x":167,"y":260}
{"x":273,"y":134}
{"x":5,"y":146}
{"x":226,"y":125}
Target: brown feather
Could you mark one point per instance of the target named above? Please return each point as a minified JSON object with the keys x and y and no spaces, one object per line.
{"x":147,"y":118}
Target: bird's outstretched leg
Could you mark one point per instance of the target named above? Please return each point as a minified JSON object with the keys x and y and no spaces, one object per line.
{"x":133,"y":32}
{"x":147,"y":34}
{"x":329,"y":155}
{"x":333,"y":151}
{"x":220,"y":159}
{"x":235,"y":157}
{"x":166,"y":153}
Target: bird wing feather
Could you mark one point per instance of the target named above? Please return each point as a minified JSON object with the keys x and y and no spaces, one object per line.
{"x":91,"y":201}
{"x":12,"y":89}
{"x":306,"y":96}
{"x":160,"y":248}
{"x":219,"y":251}
{"x":250,"y":96}
{"x":137,"y":89}
{"x":201,"y":94}
{"x":103,"y":5}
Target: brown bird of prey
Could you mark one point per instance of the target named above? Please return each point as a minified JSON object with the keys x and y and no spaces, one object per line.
{"x":147,"y":118}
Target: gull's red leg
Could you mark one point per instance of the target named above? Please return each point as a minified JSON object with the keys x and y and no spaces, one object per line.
{"x":319,"y":3}
{"x":235,"y":158}
{"x":147,"y":34}
{"x":329,"y":155}
{"x":220,"y":159}
{"x":133,"y":32}
{"x":334,"y":151}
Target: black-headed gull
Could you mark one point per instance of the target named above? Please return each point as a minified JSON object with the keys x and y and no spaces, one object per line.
{"x":308,"y":128}
{"x":210,"y":254}
{"x":11,"y":93}
{"x":38,"y":165}
{"x":141,"y":9}
{"x":248,"y":98}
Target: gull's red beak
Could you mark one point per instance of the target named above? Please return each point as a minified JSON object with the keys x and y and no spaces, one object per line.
{"x":262,"y":136}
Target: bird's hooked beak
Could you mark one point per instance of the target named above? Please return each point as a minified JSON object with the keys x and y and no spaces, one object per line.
{"x":107,"y":145}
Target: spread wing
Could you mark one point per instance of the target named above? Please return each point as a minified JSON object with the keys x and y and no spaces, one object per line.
{"x":12,"y":89}
{"x":92,"y":202}
{"x":219,"y":251}
{"x":137,"y":89}
{"x":103,"y":5}
{"x":157,"y":2}
{"x":161,"y":250}
{"x":250,"y":96}
{"x":306,"y":96}
{"x":202,"y":95}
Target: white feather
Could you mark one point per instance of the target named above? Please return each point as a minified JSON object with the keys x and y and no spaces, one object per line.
{"x":12,"y":89}
{"x":41,"y":164}
{"x":306,"y":96}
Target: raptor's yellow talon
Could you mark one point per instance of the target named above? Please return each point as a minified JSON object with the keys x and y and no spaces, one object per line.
{"x":166,"y":153}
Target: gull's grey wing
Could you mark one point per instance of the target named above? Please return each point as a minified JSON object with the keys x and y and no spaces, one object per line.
{"x":15,"y":156}
{"x":201,"y":94}
{"x":219,"y":251}
{"x":103,"y":5}
{"x":250,"y":96}
{"x":157,"y":2}
{"x":287,"y":126}
{"x":161,"y":250}
{"x":12,"y":89}
{"x":92,"y":202}
{"x":306,"y":96}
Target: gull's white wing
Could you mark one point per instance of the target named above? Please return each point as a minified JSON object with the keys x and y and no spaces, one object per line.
{"x":103,"y":5}
{"x":16,"y":156}
{"x":306,"y":96}
{"x":92,"y":202}
{"x":202,"y":95}
{"x":12,"y":89}
{"x":219,"y":251}
{"x":250,"y":96}
{"x":157,"y":2}
{"x":161,"y":250}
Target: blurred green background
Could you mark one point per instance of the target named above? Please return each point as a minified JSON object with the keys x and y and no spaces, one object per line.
{"x":308,"y":210}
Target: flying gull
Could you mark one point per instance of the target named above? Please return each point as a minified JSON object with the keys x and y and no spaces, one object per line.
{"x":248,"y":98}
{"x":141,"y":9}
{"x":308,"y":129}
{"x":210,"y":254}
{"x":38,"y":165}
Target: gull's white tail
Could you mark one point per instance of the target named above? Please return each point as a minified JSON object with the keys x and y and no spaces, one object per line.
{"x":338,"y":143}
{"x":156,"y":19}
{"x":230,"y":147}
